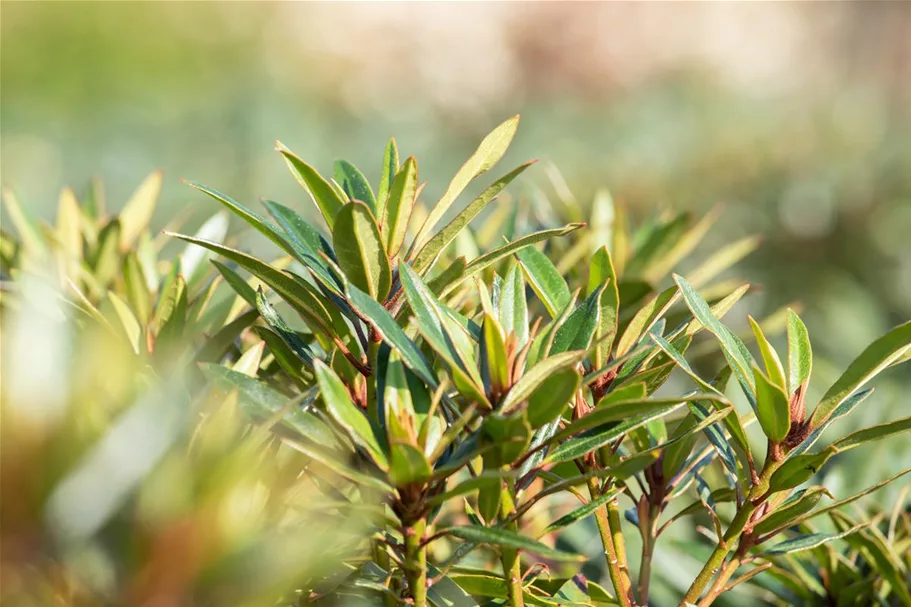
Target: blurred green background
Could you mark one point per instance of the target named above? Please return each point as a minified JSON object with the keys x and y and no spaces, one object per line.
{"x":795,"y":117}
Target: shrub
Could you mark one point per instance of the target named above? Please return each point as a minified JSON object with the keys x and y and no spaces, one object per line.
{"x":436,"y":404}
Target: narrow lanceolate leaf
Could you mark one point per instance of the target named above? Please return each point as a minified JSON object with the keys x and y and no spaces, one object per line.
{"x":262,"y":403}
{"x":307,"y":244}
{"x":808,"y":542}
{"x":844,"y":502}
{"x":237,"y":283}
{"x":391,"y":333}
{"x":844,"y":409}
{"x":619,"y":410}
{"x":578,"y":446}
{"x":509,"y":539}
{"x":360,"y":251}
{"x":876,"y":433}
{"x":646,"y":318}
{"x":493,"y":353}
{"x":324,"y":195}
{"x":290,"y":290}
{"x":734,"y":350}
{"x":536,"y":376}
{"x":301,"y":250}
{"x":438,"y":329}
{"x":554,"y":394}
{"x":769,"y":356}
{"x":513,"y":308}
{"x":789,"y":511}
{"x":390,"y":168}
{"x":354,"y":184}
{"x":489,"y":152}
{"x":137,"y":212}
{"x":878,"y":355}
{"x":800,"y":356}
{"x":799,"y":469}
{"x":137,"y":289}
{"x":429,"y":253}
{"x":484,"y":261}
{"x":127,"y":320}
{"x":291,"y":339}
{"x":601,"y":271}
{"x":577,"y":331}
{"x":408,"y":465}
{"x":398,"y":206}
{"x":545,"y":280}
{"x":338,"y":404}
{"x":582,"y":512}
{"x":772,"y":408}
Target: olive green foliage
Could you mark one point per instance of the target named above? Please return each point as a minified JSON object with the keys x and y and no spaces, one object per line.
{"x":428,"y":406}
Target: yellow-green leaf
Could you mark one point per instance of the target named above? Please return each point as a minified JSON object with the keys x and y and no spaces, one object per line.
{"x":360,"y":251}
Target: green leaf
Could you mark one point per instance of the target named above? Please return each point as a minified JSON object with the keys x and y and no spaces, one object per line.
{"x":396,"y":212}
{"x":354,"y":183}
{"x":295,"y":293}
{"x":807,"y":542}
{"x":390,"y":168}
{"x":876,"y":357}
{"x":504,"y":438}
{"x":769,"y":356}
{"x":789,"y":511}
{"x":489,"y":152}
{"x":237,"y":284}
{"x":307,"y":245}
{"x":324,"y":195}
{"x":289,"y":337}
{"x":428,"y":254}
{"x":127,"y":320}
{"x":448,"y":341}
{"x":800,"y":356}
{"x":772,"y":407}
{"x":581,"y":445}
{"x":391,"y":333}
{"x":493,"y":353}
{"x":338,"y":404}
{"x":535,"y":377}
{"x":552,"y":396}
{"x":480,"y":263}
{"x":619,"y":410}
{"x":844,"y":409}
{"x":137,"y":212}
{"x":137,"y":289}
{"x":853,"y":498}
{"x":360,"y":251}
{"x":509,"y":539}
{"x":408,"y":465}
{"x":796,"y":470}
{"x":577,"y":331}
{"x":513,"y":309}
{"x":722,"y":259}
{"x":734,"y":350}
{"x":876,"y":433}
{"x":582,"y":512}
{"x":262,"y":403}
{"x":600,"y":272}
{"x":646,"y":318}
{"x":545,"y":280}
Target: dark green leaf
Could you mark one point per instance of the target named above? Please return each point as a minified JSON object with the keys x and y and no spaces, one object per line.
{"x":545,"y":280}
{"x":360,"y":251}
{"x":878,"y":355}
{"x":807,"y":542}
{"x":552,"y":396}
{"x":324,"y":195}
{"x":354,"y":183}
{"x":772,"y":407}
{"x":489,"y":152}
{"x":338,"y":404}
{"x":504,"y":538}
{"x":800,"y":356}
